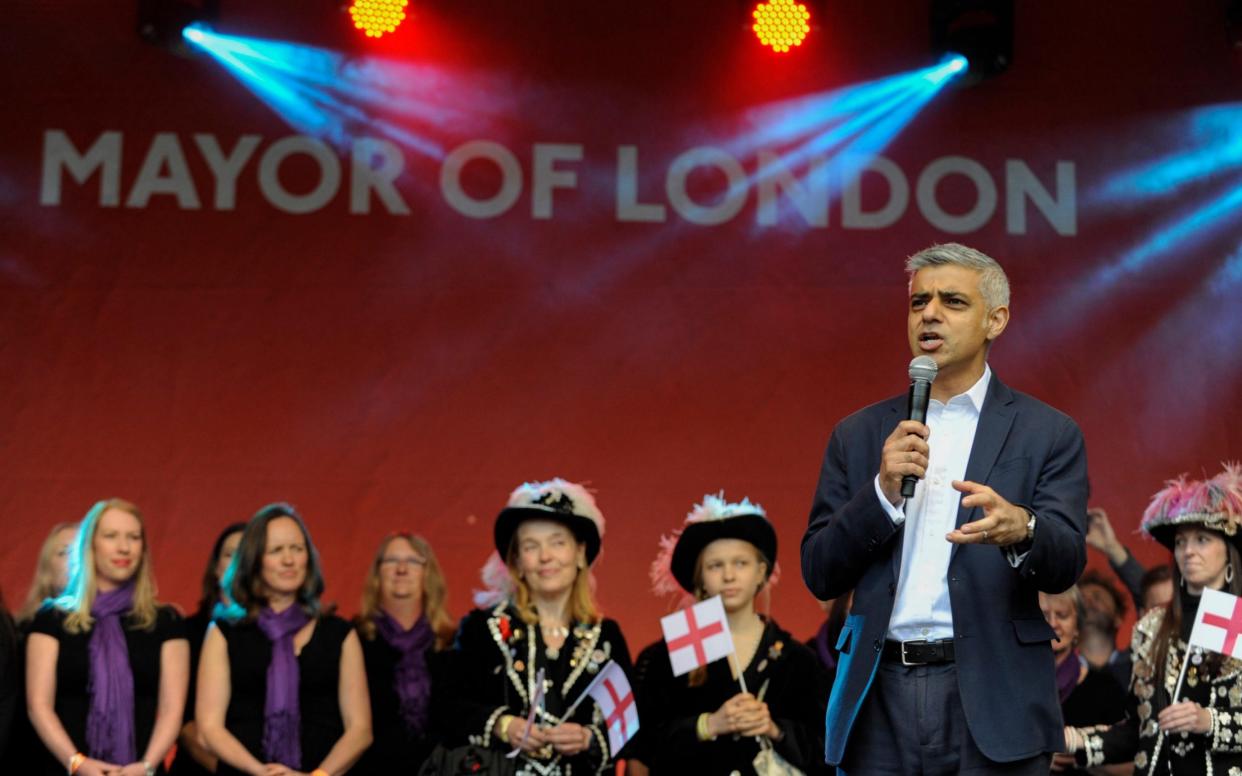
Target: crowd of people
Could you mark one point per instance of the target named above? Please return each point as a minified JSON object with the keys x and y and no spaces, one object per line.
{"x":961,"y":635}
{"x":263,"y":677}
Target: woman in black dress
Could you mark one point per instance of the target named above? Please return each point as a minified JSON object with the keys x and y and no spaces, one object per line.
{"x":1200,"y":733}
{"x":703,"y":722}
{"x":543,"y":617}
{"x":193,"y":758}
{"x":403,"y":625}
{"x":281,"y":685}
{"x":106,"y":665}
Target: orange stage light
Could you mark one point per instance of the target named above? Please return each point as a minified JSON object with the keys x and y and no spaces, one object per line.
{"x":377,"y":17}
{"x":781,"y":24}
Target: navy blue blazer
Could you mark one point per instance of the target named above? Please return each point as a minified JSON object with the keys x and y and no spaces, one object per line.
{"x":1033,"y":456}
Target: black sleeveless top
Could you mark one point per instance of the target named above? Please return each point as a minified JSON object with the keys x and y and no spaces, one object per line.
{"x":73,"y":669}
{"x":319,"y":669}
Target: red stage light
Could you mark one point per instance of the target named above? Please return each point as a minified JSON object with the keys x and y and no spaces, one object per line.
{"x":781,"y":24}
{"x":377,"y":17}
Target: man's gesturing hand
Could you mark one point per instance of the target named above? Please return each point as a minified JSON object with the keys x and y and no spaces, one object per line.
{"x":1002,"y":523}
{"x":905,"y":452}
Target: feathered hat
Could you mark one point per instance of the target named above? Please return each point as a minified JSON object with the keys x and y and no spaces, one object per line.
{"x":1214,"y":504}
{"x":673,"y":569}
{"x":564,"y":502}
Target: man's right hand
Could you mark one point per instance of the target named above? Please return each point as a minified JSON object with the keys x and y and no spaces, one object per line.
{"x":905,"y":452}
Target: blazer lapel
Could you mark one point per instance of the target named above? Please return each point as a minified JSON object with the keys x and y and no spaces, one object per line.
{"x":995,"y":420}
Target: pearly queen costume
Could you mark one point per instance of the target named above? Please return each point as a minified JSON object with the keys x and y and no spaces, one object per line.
{"x":1212,"y":680}
{"x":497,"y":656}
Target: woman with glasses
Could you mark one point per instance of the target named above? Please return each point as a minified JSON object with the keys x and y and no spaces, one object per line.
{"x":403,"y":624}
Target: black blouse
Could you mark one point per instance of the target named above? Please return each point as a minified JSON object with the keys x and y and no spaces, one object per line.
{"x":319,"y":670}
{"x":395,"y":748}
{"x":73,"y":702}
{"x":793,"y":683}
{"x":493,"y":666}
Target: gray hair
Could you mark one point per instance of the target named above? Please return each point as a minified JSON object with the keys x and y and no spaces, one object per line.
{"x":993,"y":283}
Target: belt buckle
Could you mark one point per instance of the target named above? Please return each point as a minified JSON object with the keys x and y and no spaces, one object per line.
{"x":904,"y":661}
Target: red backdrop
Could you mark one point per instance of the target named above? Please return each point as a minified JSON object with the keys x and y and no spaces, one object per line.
{"x":387,"y":370}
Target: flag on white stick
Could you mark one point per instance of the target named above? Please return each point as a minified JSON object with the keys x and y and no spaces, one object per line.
{"x":612,"y":693}
{"x":1218,"y":625}
{"x":697,"y":635}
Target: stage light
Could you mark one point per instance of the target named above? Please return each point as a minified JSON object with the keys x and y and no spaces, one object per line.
{"x":195,"y":33}
{"x":979,"y":30}
{"x":163,"y":22}
{"x":377,"y":17}
{"x":781,"y":24}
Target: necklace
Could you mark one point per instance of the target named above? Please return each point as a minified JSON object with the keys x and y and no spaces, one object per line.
{"x":551,"y":631}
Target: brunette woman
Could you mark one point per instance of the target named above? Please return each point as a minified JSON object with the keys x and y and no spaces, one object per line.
{"x":193,"y":758}
{"x":1195,"y":728}
{"x":281,"y":685}
{"x":702,"y":721}
{"x":106,"y":664}
{"x":546,"y":620}
{"x":403,"y":625}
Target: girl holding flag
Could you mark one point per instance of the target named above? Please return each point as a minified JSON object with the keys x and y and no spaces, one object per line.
{"x":1182,"y":717}
{"x":768,"y":694}
{"x":539,"y":620}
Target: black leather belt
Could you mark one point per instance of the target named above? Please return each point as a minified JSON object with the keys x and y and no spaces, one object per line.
{"x":918,"y":653}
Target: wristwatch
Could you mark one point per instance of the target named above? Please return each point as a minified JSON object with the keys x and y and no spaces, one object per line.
{"x":149,"y":768}
{"x":1030,"y":526}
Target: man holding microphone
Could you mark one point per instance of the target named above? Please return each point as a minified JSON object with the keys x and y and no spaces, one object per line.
{"x":946,"y":666}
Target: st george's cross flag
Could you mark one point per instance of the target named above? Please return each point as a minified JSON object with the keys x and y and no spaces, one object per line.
{"x":697,"y":635}
{"x":1218,"y":625}
{"x":612,"y":693}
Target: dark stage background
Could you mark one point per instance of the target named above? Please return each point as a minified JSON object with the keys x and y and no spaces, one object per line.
{"x":393,"y":357}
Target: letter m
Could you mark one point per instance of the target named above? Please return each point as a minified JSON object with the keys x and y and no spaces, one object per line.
{"x":60,"y":155}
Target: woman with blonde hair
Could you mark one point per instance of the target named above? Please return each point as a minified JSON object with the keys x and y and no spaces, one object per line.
{"x":106,"y":664}
{"x":403,"y":624}
{"x":545,"y":619}
{"x":51,"y":570}
{"x":281,"y":684}
{"x":704,"y":721}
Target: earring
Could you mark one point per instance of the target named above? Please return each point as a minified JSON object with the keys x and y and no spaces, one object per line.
{"x":1229,"y":573}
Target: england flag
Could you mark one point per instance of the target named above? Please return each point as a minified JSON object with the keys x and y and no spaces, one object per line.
{"x":1218,"y":623}
{"x":697,"y":635}
{"x":612,"y":693}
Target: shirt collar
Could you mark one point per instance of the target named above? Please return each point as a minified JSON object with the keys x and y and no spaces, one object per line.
{"x":976,"y":393}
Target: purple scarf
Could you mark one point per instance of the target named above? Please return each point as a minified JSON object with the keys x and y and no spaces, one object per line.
{"x":412,"y":677}
{"x":282,"y":718}
{"x":110,"y":722}
{"x":1067,"y":675}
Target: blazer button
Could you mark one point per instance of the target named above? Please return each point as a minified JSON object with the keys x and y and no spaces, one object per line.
{"x":892,"y":588}
{"x":879,"y":645}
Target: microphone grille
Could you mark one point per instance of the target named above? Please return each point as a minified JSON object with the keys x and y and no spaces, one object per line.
{"x":923,"y":368}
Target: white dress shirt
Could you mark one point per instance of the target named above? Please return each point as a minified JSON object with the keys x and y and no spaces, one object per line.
{"x":921,"y":609}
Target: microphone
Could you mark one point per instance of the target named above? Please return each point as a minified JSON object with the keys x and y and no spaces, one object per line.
{"x":922,"y":372}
